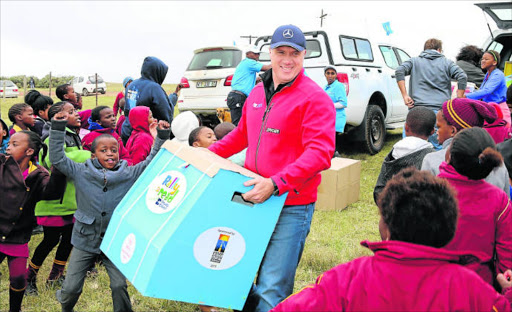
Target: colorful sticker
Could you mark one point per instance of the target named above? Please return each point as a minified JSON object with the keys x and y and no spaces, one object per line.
{"x":128,"y":248}
{"x":166,"y":192}
{"x":219,"y":248}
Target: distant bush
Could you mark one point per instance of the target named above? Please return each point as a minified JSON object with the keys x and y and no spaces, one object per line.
{"x":39,"y":83}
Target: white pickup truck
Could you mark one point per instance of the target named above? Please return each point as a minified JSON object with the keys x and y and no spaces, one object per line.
{"x":368,"y":71}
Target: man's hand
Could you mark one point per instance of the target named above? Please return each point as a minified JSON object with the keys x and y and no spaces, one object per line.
{"x":409,"y":102}
{"x":61,"y":116}
{"x":163,"y":125}
{"x":505,"y":280}
{"x":263,"y":188}
{"x":461,"y":94}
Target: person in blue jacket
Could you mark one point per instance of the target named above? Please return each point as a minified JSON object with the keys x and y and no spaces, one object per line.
{"x":148,"y":91}
{"x":493,"y":88}
{"x":336,"y":90}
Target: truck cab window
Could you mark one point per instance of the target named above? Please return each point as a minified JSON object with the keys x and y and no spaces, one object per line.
{"x":389,"y":57}
{"x":356,"y":49}
{"x":364,"y":50}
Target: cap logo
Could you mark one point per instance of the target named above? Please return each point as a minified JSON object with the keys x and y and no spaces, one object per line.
{"x":288,"y":33}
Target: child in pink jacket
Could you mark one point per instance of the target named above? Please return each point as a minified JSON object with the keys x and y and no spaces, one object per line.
{"x":485,"y":222}
{"x":409,"y":271}
{"x":140,"y":141}
{"x":103,"y":121}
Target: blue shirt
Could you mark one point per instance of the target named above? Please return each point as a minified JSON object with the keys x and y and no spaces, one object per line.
{"x":493,"y":89}
{"x":245,"y":75}
{"x":336,"y":91}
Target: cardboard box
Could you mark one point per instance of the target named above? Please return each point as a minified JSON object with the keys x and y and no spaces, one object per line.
{"x":183,"y":233}
{"x":340,"y":184}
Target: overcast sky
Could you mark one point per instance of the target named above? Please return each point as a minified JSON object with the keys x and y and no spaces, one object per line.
{"x":113,"y":37}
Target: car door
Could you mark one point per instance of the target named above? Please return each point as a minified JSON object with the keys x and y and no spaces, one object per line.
{"x":398,"y":108}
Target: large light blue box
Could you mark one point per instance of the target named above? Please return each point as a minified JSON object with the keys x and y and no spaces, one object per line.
{"x":183,"y":233}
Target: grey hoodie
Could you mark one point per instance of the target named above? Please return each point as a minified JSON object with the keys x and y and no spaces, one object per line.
{"x":98,"y":190}
{"x":431,"y":75}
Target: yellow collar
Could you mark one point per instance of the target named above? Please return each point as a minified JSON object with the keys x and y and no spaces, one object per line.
{"x":31,"y":167}
{"x":17,"y":128}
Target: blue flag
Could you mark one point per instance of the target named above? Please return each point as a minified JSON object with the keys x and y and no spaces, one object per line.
{"x":387,"y":28}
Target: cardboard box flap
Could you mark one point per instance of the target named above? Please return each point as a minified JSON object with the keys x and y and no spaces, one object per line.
{"x":205,"y":160}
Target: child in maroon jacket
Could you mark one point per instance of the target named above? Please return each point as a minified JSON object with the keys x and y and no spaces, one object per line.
{"x":485,"y":222}
{"x":409,"y":271}
{"x":103,"y":121}
{"x":23,"y":184}
{"x":141,"y":139}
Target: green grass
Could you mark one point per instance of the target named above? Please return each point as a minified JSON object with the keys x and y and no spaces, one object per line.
{"x":334,"y":239}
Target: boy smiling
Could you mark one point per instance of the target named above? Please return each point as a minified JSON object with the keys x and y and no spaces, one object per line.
{"x":103,"y":181}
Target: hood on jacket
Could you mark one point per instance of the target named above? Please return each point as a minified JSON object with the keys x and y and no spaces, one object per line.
{"x":93,"y":125}
{"x":154,"y":69}
{"x":431,"y":54}
{"x":182,"y":125}
{"x":139,"y":118}
{"x":408,"y":251}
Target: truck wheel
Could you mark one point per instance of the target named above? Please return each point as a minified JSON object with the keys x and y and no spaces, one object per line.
{"x":85,"y":92}
{"x":375,"y":129}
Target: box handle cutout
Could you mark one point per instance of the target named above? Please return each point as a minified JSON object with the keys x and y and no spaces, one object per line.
{"x":237,"y":198}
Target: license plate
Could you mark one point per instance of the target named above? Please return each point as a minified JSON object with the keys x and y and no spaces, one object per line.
{"x":206,"y":84}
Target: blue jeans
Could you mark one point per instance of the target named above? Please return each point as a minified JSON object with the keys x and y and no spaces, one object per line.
{"x":432,"y":139}
{"x":79,"y":263}
{"x":276,"y":275}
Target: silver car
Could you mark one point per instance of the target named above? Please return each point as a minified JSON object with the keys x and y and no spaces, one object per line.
{"x":9,"y":88}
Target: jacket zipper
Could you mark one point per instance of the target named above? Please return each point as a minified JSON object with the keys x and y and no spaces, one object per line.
{"x":104,"y":180}
{"x":264,"y":123}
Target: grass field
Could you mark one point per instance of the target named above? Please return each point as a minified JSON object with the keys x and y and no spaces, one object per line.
{"x":334,"y":238}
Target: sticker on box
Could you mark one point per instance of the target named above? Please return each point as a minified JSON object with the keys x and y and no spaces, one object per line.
{"x":166,"y":192}
{"x":219,"y":248}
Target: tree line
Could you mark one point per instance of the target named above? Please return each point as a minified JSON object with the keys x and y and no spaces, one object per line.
{"x":39,"y":83}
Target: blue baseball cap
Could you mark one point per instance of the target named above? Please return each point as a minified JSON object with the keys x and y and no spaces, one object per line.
{"x":288,"y":35}
{"x":126,"y":80}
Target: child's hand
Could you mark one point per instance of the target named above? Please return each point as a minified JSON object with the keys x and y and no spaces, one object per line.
{"x":61,"y":116}
{"x":152,"y":128}
{"x":164,"y":125}
{"x":505,"y":280}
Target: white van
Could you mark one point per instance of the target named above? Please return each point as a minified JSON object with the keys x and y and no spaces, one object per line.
{"x":85,"y":84}
{"x":368,"y":71}
{"x":207,"y":81}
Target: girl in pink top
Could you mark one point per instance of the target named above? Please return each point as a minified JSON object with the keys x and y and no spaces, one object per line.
{"x":409,"y":271}
{"x":485,"y":222}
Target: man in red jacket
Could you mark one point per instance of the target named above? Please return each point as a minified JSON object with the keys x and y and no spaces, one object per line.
{"x":287,"y":126}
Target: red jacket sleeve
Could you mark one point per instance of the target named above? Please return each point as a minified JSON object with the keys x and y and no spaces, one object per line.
{"x":318,"y":297}
{"x":504,"y":237}
{"x":119,"y":96}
